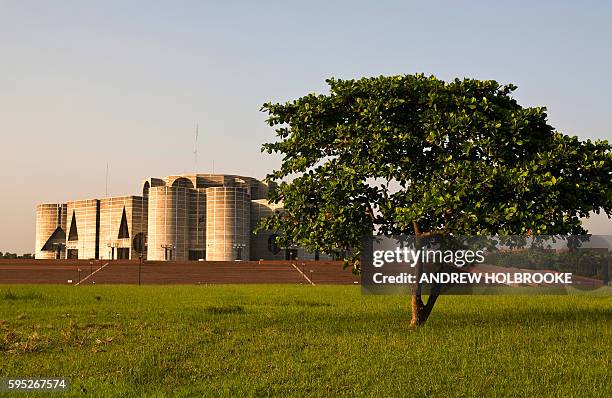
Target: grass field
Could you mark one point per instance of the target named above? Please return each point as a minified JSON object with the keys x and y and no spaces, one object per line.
{"x":296,"y":340}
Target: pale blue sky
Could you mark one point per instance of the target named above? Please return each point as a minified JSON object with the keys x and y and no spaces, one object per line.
{"x":83,"y":83}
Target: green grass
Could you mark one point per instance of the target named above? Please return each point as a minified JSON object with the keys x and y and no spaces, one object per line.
{"x":299,"y":340}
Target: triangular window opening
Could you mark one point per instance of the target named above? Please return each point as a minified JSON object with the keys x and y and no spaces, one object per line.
{"x":123,"y":228}
{"x":73,"y":233}
{"x":57,"y":237}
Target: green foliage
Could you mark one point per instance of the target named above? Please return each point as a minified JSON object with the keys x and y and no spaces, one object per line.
{"x":9,"y":255}
{"x":585,"y":262}
{"x":462,"y":157}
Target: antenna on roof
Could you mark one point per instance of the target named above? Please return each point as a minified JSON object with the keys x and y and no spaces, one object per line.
{"x":106,"y":187}
{"x":195,"y":150}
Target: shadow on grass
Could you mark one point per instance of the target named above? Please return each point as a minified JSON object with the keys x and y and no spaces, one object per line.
{"x":467,"y":313}
{"x":11,"y":296}
{"x":223,"y":309}
{"x":503,"y":311}
{"x":304,"y":303}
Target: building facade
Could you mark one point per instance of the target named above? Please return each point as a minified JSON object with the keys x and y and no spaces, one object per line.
{"x":183,"y":217}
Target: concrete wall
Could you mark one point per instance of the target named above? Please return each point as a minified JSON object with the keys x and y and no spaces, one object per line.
{"x":255,"y":188}
{"x":180,"y":217}
{"x":49,"y":217}
{"x":261,"y":245}
{"x":151,"y":182}
{"x":260,"y":248}
{"x":227,"y":224}
{"x":86,"y":215}
{"x":168,"y":232}
{"x":111,"y":215}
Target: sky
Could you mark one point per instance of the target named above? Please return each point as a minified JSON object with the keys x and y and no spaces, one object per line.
{"x":84,"y":84}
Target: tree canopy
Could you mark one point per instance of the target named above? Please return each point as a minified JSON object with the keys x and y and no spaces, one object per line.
{"x":392,"y":154}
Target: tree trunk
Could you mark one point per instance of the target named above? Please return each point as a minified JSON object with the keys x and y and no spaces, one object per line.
{"x":419,"y":310}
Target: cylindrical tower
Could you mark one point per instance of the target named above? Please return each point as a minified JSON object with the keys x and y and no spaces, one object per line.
{"x":227,"y":224}
{"x":168,"y":228}
{"x":50,"y":231}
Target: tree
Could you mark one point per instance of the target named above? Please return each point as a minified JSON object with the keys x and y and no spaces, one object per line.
{"x":9,"y":255}
{"x":416,"y":155}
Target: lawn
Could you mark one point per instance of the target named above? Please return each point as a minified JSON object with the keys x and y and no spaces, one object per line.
{"x":260,"y":340}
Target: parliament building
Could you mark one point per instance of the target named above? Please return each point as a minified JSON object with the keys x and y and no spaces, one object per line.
{"x":184,"y":217}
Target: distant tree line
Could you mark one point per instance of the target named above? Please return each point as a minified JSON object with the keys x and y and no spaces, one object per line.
{"x":15,"y":255}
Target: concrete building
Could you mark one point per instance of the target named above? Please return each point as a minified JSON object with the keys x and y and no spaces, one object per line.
{"x":183,"y":217}
{"x":50,"y":231}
